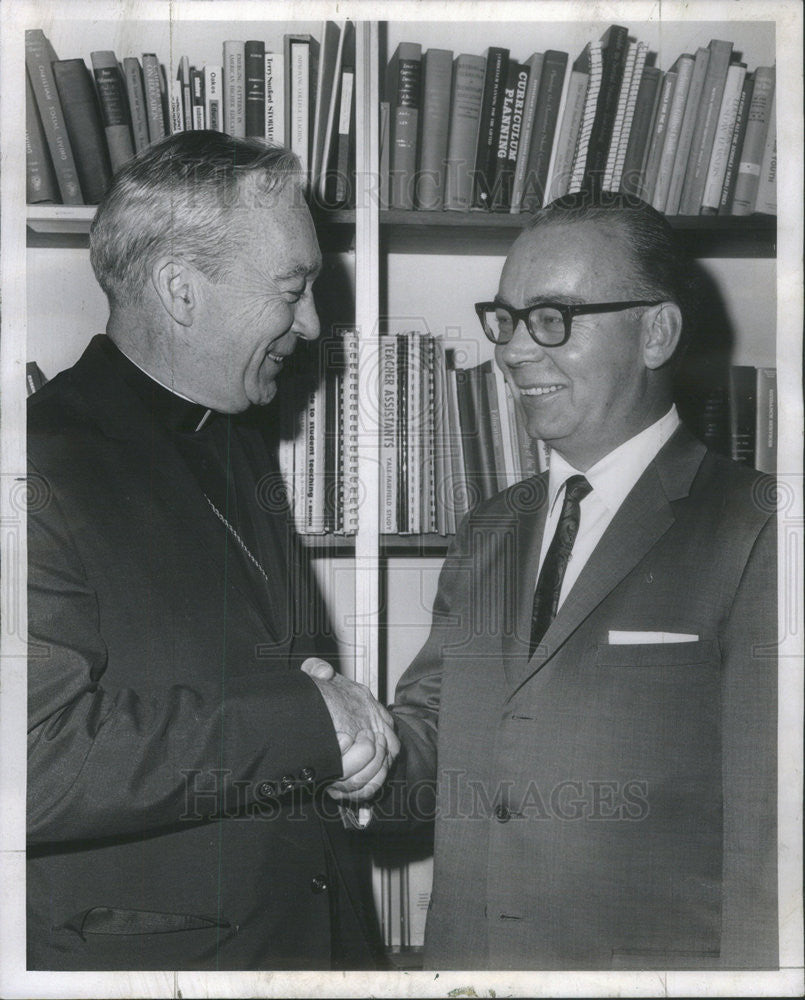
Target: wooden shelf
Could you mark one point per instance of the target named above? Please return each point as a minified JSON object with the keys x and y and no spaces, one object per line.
{"x":488,"y":233}
{"x":390,"y":545}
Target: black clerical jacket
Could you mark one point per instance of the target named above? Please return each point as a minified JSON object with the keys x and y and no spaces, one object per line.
{"x":176,"y":751}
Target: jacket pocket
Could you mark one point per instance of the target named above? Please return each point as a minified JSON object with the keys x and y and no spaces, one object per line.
{"x":656,"y":654}
{"x":114,"y":920}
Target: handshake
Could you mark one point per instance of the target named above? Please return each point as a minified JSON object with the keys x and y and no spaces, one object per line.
{"x":365,"y":732}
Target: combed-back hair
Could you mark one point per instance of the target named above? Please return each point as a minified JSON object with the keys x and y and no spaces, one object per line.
{"x":177,"y":198}
{"x":660,"y":266}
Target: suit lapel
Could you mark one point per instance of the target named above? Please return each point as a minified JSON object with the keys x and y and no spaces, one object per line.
{"x":643,"y":518}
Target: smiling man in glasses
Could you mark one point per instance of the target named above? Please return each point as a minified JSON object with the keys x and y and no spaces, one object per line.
{"x":592,"y":718}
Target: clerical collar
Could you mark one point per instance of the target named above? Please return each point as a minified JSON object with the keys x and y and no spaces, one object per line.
{"x":174,"y":411}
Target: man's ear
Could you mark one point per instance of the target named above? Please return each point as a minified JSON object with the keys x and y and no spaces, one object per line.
{"x":174,"y":283}
{"x":662,"y":328}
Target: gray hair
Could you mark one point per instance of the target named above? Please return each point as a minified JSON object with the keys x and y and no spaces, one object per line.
{"x":178,"y":198}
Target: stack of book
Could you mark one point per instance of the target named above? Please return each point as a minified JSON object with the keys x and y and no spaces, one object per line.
{"x":494,"y":134}
{"x":82,"y":126}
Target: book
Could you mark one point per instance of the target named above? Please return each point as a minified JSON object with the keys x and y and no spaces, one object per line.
{"x":434,"y":120}
{"x":403,"y":79}
{"x":534,"y":66}
{"x":254,"y":74}
{"x":614,"y":50}
{"x":34,"y":377}
{"x":505,"y":162}
{"x":413,"y":431}
{"x":345,"y":55}
{"x":751,"y":156}
{"x":40,"y":180}
{"x":683,"y":67}
{"x":234,"y":70}
{"x":198,"y":98}
{"x":465,"y":111}
{"x":184,"y":79}
{"x":326,"y":93}
{"x":497,"y":64}
{"x":568,"y":133}
{"x":456,"y":497}
{"x":766,"y":420}
{"x":685,"y":139}
{"x":176,"y":106}
{"x":445,"y":512}
{"x":766,"y":195}
{"x":589,"y":62}
{"x":344,"y":140}
{"x":620,"y":114}
{"x":743,"y":416}
{"x":736,"y":145}
{"x":213,"y":98}
{"x":302,"y":60}
{"x":133,"y":73}
{"x":701,"y":146}
{"x":428,"y":460}
{"x":628,"y":117}
{"x":494,"y":415}
{"x":314,"y":459}
{"x":39,"y":57}
{"x":349,"y":432}
{"x":152,"y":85}
{"x":274,"y":127}
{"x":383,"y":187}
{"x":403,"y":512}
{"x":114,"y":110}
{"x":82,"y":116}
{"x":728,"y":112}
{"x":388,"y":434}
{"x":554,"y":66}
{"x":657,"y":141}
{"x":645,"y":108}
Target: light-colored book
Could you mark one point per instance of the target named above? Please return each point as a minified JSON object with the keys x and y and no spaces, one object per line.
{"x":534,"y":63}
{"x":766,"y":197}
{"x":700,"y":62}
{"x":213,"y":98}
{"x":723,"y":137}
{"x":235,"y":88}
{"x":275,"y":98}
{"x":683,"y":67}
{"x":567,"y":135}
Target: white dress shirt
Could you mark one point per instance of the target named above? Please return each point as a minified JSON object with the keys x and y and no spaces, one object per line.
{"x":612,"y":479}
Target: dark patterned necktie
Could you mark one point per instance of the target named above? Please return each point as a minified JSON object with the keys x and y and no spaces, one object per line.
{"x":549,"y":584}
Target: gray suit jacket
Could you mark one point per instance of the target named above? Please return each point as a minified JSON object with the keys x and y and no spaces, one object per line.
{"x":603,"y":805}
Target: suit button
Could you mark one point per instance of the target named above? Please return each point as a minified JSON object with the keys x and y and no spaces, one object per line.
{"x":307,"y":774}
{"x":318,"y":884}
{"x":503,"y":814}
{"x":266,"y":790}
{"x":287,"y":782}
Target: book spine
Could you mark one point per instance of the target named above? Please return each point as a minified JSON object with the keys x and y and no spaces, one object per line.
{"x":580,"y":156}
{"x":497,"y":64}
{"x":743,"y":416}
{"x":136,"y":98}
{"x":274,"y":127}
{"x":534,"y":66}
{"x":383,"y":193}
{"x":457,"y":493}
{"x":254,"y":63}
{"x":403,"y":519}
{"x":620,"y":114}
{"x":414,"y":432}
{"x":766,"y":196}
{"x":723,"y":139}
{"x":152,"y":85}
{"x":766,"y":423}
{"x":470,"y":436}
{"x":34,"y":377}
{"x":428,"y":460}
{"x":328,"y":103}
{"x":186,"y":93}
{"x":198,"y":98}
{"x":487,"y":471}
{"x":83,"y":120}
{"x":213,"y":97}
{"x":40,"y":180}
{"x":568,"y":134}
{"x":500,"y":195}
{"x":682,"y":154}
{"x":343,"y":142}
{"x":314,"y":480}
{"x":39,"y":58}
{"x":499,"y":472}
{"x":235,"y":88}
{"x":647,"y":97}
{"x":684,"y":74}
{"x":511,"y":454}
{"x":349,"y":443}
{"x":388,"y":434}
{"x":404,"y":103}
{"x":706,"y":122}
{"x":629,"y":117}
{"x":751,"y":157}
{"x":736,"y":145}
{"x":445,"y":524}
{"x":114,"y":112}
{"x":176,"y":106}
{"x":614,"y":63}
{"x":300,"y":99}
{"x":468,"y":85}
{"x":434,"y":122}
{"x":550,"y":92}
{"x":658,"y":137}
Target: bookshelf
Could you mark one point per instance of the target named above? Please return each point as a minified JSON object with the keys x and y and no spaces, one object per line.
{"x":402,"y":264}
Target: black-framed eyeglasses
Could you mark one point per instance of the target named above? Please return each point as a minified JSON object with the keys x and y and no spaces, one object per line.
{"x":548,"y":323}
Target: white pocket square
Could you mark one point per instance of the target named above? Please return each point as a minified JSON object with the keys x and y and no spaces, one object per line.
{"x":617,"y":638}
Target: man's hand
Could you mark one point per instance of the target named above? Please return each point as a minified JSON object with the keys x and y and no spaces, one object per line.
{"x":364,"y":729}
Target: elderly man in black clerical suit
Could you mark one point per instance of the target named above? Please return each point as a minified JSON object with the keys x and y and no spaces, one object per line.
{"x":177,"y":752}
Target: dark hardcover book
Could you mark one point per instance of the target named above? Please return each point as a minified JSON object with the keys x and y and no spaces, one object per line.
{"x":39,"y":57}
{"x":736,"y":145}
{"x":495,"y":421}
{"x":154,"y":103}
{"x":327,"y":84}
{"x":505,"y":165}
{"x":403,"y":88}
{"x":615,"y":45}
{"x":135,"y":92}
{"x":85,"y":127}
{"x":743,"y":413}
{"x":198,"y":98}
{"x":34,"y":377}
{"x":345,"y":139}
{"x":766,"y":426}
{"x":554,"y":67}
{"x":476,"y":432}
{"x":403,"y":518}
{"x":751,"y":158}
{"x":465,"y":109}
{"x":114,"y":108}
{"x":647,"y":100}
{"x":255,"y":71}
{"x":497,"y":64}
{"x":40,"y":180}
{"x":706,"y":122}
{"x":433,"y":126}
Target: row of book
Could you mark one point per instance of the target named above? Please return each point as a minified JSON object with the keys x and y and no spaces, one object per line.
{"x":738,"y":417}
{"x":491,"y":133}
{"x":81,"y":127}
